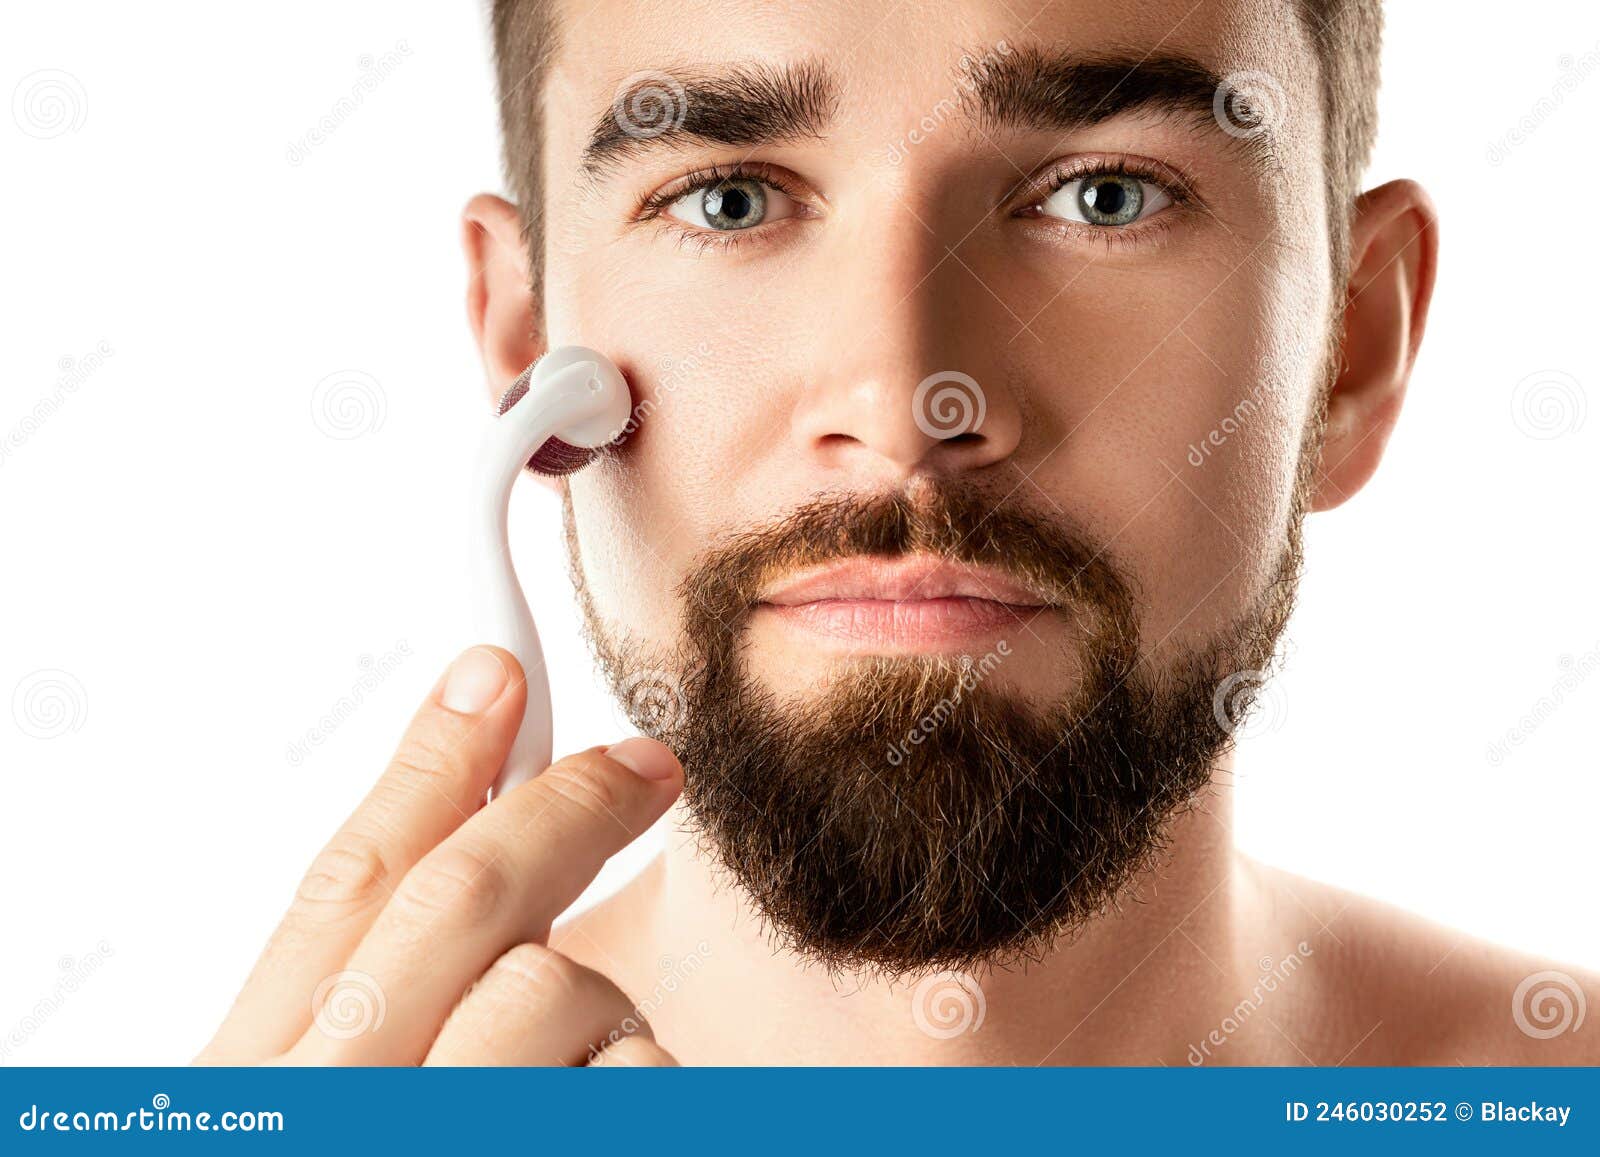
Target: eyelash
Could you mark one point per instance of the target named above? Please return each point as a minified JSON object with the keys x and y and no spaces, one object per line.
{"x":654,"y":207}
{"x":1171,"y":182}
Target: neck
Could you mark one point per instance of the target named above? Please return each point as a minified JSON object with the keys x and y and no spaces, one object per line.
{"x":1143,"y":984}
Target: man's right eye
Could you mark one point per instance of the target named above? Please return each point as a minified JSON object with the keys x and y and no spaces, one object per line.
{"x":731,"y":204}
{"x":1109,"y":199}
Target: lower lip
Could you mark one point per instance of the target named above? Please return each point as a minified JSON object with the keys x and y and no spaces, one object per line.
{"x":913,"y":625}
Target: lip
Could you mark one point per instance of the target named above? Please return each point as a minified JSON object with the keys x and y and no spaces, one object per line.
{"x":915,"y":603}
{"x":913,"y":578}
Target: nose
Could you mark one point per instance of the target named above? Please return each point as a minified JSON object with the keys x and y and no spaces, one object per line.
{"x":912,"y":377}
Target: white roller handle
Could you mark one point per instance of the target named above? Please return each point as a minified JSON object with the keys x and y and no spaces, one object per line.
{"x":576,"y":395}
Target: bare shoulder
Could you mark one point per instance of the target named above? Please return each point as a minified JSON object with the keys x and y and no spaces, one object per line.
{"x":1393,"y":988}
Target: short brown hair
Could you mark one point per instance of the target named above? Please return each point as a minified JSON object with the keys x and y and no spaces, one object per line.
{"x":1347,"y":36}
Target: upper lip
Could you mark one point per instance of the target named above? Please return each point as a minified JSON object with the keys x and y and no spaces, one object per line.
{"x":900,"y":580}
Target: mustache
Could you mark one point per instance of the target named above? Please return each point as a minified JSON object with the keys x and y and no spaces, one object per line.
{"x":1049,"y":553}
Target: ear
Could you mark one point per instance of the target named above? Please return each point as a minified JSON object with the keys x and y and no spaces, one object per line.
{"x":502,"y":308}
{"x":1394,"y":251}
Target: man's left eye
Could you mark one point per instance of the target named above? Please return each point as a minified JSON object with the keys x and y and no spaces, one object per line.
{"x":732,"y":204}
{"x":1105,"y":199}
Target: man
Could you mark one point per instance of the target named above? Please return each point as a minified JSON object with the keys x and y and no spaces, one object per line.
{"x":986,"y":357}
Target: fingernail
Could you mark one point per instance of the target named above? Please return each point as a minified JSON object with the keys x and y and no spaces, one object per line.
{"x":645,"y":758}
{"x":476,"y":679}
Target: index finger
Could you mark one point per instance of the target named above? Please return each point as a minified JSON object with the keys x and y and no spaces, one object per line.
{"x":500,"y":881}
{"x":435,"y":782}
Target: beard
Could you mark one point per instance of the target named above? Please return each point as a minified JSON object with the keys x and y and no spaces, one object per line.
{"x":907,"y":815}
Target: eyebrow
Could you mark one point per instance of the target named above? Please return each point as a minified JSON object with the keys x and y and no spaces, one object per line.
{"x":1023,"y":89}
{"x":1030,"y":88}
{"x":744,"y":105}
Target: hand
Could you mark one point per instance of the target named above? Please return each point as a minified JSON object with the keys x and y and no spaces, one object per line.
{"x":419,"y":933}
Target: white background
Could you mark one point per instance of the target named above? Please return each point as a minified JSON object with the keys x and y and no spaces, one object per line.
{"x":213,"y":571}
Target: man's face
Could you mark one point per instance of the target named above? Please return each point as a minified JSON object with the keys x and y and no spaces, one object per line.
{"x":1146,"y":345}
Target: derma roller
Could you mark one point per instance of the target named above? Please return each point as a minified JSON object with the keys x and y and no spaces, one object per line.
{"x":557,"y":413}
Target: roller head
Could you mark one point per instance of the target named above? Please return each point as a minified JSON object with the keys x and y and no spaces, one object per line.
{"x":581,"y":442}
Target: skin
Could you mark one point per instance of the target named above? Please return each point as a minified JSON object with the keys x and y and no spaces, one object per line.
{"x":1101,"y":364}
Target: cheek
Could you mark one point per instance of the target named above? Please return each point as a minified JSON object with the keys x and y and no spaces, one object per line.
{"x":711,"y":363}
{"x":681,"y":470}
{"x":1175,"y":435}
